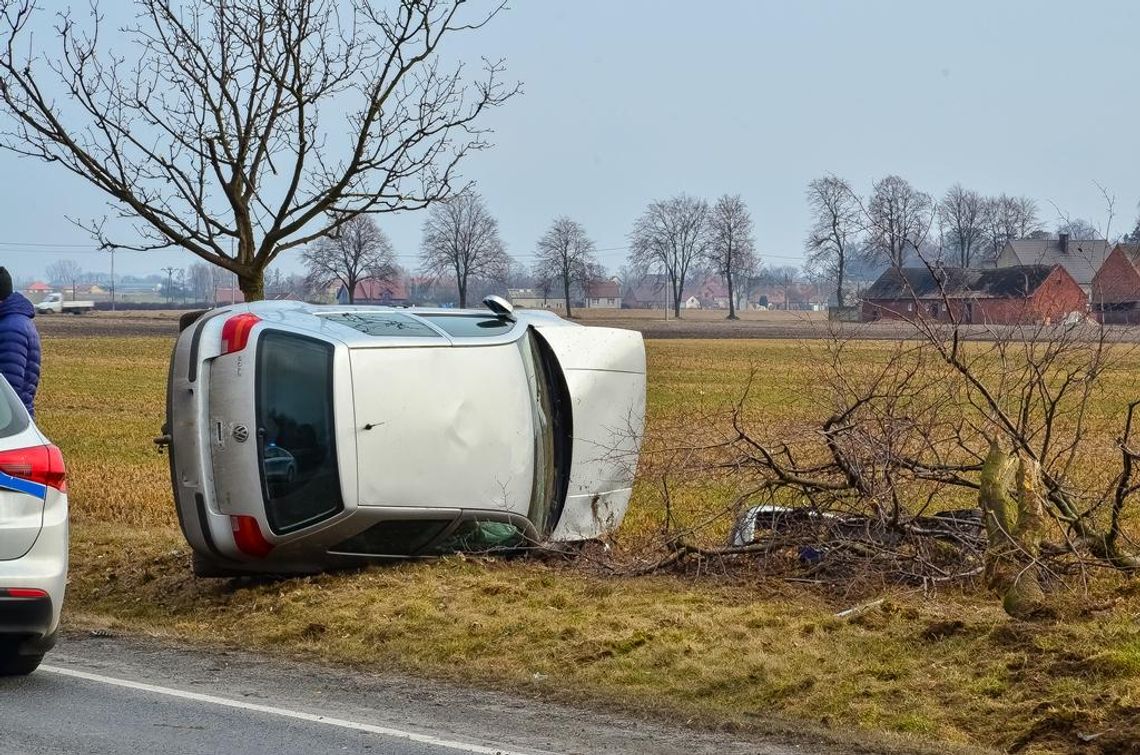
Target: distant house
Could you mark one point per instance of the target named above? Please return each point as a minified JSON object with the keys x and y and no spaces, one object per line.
{"x":708,"y":293}
{"x":228,"y":295}
{"x":651,"y":292}
{"x":533,"y":298}
{"x":376,"y":291}
{"x":1020,"y":294}
{"x":1081,"y":259}
{"x":38,"y":288}
{"x":1115,"y":295}
{"x":603,"y":294}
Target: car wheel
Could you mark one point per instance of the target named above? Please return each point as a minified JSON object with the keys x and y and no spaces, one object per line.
{"x":204,"y":566}
{"x":189,"y":318}
{"x":14,"y":664}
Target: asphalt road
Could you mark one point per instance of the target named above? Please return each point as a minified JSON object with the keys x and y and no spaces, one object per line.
{"x":104,"y":695}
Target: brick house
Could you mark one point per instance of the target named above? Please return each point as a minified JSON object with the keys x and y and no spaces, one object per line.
{"x":1013,"y":295}
{"x":1081,"y":258}
{"x":1116,"y":287}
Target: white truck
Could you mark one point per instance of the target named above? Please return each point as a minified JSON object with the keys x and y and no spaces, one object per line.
{"x":56,"y":303}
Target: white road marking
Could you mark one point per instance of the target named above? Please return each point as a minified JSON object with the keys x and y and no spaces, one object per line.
{"x":272,"y":710}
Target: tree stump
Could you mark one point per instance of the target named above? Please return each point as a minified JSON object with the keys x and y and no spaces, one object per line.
{"x":1014,"y":514}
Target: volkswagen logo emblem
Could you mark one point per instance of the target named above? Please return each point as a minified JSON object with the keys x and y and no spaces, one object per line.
{"x":241,"y":433}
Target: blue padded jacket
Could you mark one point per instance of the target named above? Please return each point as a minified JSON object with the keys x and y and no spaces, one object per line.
{"x":20,"y":347}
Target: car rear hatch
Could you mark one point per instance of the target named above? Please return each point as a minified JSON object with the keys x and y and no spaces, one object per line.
{"x":272,"y":431}
{"x":28,"y":466}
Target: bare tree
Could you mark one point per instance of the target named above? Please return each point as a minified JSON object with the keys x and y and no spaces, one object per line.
{"x":66,"y":273}
{"x":240,"y":129}
{"x":731,"y":248}
{"x":898,"y":218}
{"x":461,"y":241}
{"x":565,"y":256}
{"x":671,"y":236}
{"x":1078,"y":229}
{"x":962,"y":216}
{"x":836,"y":224}
{"x":359,"y":249}
{"x":1006,"y":218}
{"x":200,"y":282}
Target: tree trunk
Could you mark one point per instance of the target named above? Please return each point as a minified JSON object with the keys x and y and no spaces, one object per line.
{"x":252,"y":284}
{"x":1014,"y":515}
{"x":731,"y":300}
{"x":566,"y":295}
{"x":839,"y":284}
{"x":462,"y":295}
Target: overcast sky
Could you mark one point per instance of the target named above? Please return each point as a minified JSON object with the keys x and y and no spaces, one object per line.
{"x":634,"y":100}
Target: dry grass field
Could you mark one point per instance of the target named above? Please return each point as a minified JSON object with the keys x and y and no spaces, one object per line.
{"x":714,"y":649}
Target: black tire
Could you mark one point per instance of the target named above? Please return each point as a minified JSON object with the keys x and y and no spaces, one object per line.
{"x":14,"y":664}
{"x":189,"y":318}
{"x":206,"y":567}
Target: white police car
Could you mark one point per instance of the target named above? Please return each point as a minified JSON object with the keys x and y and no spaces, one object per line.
{"x":33,"y":538}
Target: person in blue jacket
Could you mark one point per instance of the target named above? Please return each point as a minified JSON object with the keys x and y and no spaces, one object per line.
{"x":19,"y":342}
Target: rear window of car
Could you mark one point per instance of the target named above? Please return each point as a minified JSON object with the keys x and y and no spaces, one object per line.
{"x":13,"y":417}
{"x":296,"y":434}
{"x":383,"y":324}
{"x":470,"y":326}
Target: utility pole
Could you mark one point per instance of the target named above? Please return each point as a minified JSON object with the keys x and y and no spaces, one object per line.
{"x":169,"y":282}
{"x":112,"y":279}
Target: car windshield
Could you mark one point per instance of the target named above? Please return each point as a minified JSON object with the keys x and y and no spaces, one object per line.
{"x":13,"y":417}
{"x":300,"y":478}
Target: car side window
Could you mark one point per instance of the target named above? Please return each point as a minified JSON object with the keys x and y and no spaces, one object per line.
{"x":382,"y":324}
{"x":470,"y":326}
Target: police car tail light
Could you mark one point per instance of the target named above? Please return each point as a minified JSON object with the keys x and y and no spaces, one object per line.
{"x":235,"y":332}
{"x":40,"y":464}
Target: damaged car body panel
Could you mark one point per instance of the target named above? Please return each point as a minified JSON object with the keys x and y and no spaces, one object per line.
{"x":305,"y":437}
{"x":605,"y":379}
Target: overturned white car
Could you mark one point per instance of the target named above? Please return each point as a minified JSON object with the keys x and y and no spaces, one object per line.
{"x":304,"y":437}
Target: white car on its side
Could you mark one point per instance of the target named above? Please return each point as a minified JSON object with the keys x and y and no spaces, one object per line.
{"x":305,"y":437}
{"x":33,"y":538}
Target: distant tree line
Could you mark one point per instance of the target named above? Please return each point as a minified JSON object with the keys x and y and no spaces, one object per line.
{"x":896,"y":222}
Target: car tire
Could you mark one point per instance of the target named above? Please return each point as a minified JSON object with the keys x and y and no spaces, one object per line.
{"x":186,"y":319}
{"x":204,"y":566}
{"x":15,"y":664}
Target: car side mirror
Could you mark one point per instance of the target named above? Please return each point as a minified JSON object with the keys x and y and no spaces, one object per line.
{"x":500,"y":306}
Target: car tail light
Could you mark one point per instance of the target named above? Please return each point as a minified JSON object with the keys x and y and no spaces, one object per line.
{"x":22,"y":592}
{"x":248,"y":537}
{"x":42,"y":464}
{"x":235,"y":332}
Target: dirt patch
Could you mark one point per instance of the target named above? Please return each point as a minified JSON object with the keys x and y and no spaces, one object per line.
{"x":108,"y":325}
